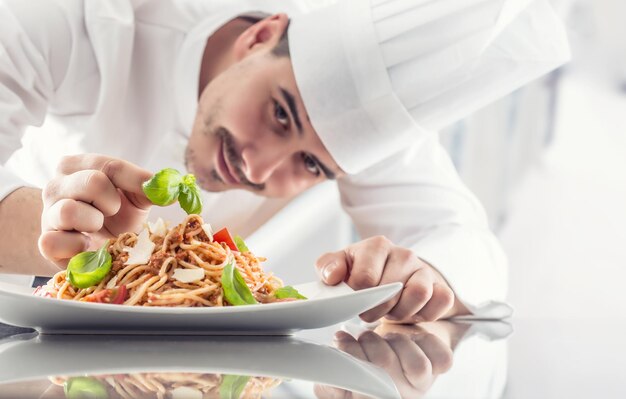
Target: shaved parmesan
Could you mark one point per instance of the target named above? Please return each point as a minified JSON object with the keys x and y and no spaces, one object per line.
{"x":186,"y":393}
{"x":158,"y":228}
{"x":112,"y":282}
{"x":208,"y":230}
{"x":141,"y":252}
{"x":188,"y":275}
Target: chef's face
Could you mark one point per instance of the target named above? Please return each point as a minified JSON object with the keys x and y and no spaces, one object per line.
{"x":252,"y":131}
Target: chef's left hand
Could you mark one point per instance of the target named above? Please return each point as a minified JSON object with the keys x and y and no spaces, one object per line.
{"x":426,"y":296}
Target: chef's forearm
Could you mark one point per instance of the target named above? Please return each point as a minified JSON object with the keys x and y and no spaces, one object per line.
{"x":20,"y":224}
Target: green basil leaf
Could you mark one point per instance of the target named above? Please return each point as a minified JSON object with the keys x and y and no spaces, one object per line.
{"x":235,"y":288}
{"x":84,"y":388}
{"x":288,"y":292}
{"x":164,"y":187}
{"x":232,"y":386}
{"x":189,"y":197}
{"x":168,"y":186}
{"x":89,"y":268}
{"x":241,"y":245}
{"x":189,"y":180}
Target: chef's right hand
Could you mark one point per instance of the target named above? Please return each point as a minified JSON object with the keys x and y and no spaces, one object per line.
{"x":92,"y":198}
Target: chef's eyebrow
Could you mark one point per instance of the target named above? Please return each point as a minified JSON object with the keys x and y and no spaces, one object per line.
{"x":291,"y":103}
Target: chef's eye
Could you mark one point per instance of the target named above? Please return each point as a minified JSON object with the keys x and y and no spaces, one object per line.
{"x":311,"y":165}
{"x":281,"y":115}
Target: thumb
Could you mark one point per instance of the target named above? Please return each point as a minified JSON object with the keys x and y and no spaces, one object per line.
{"x":332,"y":267}
{"x":128,"y":218}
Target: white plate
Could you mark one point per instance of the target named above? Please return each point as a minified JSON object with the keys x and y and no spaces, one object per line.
{"x":37,"y":357}
{"x":326,"y":306}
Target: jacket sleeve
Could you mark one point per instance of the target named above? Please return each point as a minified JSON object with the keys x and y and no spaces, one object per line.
{"x":417,"y":200}
{"x":35,"y":42}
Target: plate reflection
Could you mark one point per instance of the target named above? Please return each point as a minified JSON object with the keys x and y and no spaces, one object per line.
{"x":179,"y":367}
{"x":433,"y":360}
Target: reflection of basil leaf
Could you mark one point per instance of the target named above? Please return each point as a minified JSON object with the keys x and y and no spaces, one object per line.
{"x":235,"y":288}
{"x":232,"y":386}
{"x":89,"y":268}
{"x":189,"y":199}
{"x":169,"y":185}
{"x":241,"y":245}
{"x":288,"y":292}
{"x":84,"y":388}
{"x":164,"y":187}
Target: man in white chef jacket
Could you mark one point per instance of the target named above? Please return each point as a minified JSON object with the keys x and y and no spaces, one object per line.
{"x":261,"y":108}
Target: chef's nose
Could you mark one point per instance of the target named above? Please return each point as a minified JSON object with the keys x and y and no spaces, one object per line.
{"x":259,"y":163}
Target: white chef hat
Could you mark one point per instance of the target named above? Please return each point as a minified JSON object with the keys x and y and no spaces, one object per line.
{"x":376,"y":75}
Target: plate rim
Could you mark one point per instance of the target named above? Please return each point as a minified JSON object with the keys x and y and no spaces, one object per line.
{"x":166,"y":310}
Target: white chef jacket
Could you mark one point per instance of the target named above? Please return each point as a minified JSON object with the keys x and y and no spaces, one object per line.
{"x":120,"y":77}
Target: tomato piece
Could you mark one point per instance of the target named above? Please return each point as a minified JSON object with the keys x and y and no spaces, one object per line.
{"x":225,"y":237}
{"x":98,"y":297}
{"x":115,"y":296}
{"x":39,"y":291}
{"x":119,"y":295}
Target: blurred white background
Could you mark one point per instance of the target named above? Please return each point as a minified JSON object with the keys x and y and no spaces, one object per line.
{"x":564,"y":231}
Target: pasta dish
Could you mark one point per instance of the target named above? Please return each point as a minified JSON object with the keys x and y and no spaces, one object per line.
{"x":184,"y":266}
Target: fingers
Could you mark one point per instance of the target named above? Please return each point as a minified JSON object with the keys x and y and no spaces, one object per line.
{"x":368,"y":259}
{"x":416,"y":365}
{"x":401,"y":264}
{"x":439,"y":304}
{"x":417,"y":292}
{"x":129,"y":218}
{"x":60,"y":246}
{"x":328,"y":392}
{"x":91,"y":194}
{"x":412,"y":360}
{"x":363,"y":264}
{"x":440,"y":354}
{"x":380,"y":353}
{"x":332,"y":267}
{"x":122,"y":174}
{"x":376,"y":261}
{"x":348,"y":344}
{"x":69,"y":215}
{"x":88,"y":186}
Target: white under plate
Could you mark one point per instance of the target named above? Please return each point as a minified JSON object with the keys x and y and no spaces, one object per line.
{"x":326,"y":306}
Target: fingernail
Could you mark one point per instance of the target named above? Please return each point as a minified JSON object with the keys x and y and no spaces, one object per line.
{"x":328,"y":270}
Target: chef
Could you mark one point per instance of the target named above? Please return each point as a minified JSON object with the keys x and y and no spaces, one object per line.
{"x":262,"y":101}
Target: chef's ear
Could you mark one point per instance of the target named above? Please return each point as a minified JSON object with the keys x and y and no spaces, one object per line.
{"x":264,"y":34}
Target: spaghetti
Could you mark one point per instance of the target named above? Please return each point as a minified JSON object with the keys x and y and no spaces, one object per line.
{"x":187,"y":246}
